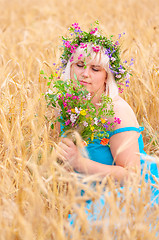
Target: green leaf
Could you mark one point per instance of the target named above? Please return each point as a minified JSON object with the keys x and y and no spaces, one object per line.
{"x":41,"y":72}
{"x":48,"y":84}
{"x":52,"y":126}
{"x":75,"y":76}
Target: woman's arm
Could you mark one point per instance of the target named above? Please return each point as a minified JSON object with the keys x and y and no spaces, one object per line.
{"x":124,"y":148}
{"x":71,"y":154}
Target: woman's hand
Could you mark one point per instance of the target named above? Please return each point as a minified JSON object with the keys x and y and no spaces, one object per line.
{"x":69,"y":153}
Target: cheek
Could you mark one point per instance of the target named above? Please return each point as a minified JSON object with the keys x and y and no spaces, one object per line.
{"x":73,"y":71}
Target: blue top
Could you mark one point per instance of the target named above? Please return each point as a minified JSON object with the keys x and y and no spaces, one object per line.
{"x":102,"y":154}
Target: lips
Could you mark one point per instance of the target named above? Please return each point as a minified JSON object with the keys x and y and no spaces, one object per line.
{"x":84,"y":83}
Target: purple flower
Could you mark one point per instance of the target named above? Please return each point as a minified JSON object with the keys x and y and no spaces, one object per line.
{"x":105,"y":126}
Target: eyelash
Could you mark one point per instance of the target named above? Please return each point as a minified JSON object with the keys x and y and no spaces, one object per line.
{"x":78,"y":65}
{"x":96,"y":70}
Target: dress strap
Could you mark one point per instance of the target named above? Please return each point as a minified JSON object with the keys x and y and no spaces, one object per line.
{"x":126,"y":129}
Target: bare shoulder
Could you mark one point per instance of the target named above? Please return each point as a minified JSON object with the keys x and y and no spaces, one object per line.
{"x":123,"y":111}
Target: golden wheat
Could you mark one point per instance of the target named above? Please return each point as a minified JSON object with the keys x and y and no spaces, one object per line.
{"x":36,"y":193}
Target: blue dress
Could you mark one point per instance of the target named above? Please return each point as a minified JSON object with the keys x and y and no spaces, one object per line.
{"x":102,"y":154}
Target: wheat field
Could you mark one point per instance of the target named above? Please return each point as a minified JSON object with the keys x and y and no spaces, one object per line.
{"x":36,"y":193}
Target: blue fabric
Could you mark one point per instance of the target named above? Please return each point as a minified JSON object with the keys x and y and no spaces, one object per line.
{"x":102,"y":154}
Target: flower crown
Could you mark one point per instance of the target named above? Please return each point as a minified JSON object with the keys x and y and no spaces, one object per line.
{"x":79,"y":38}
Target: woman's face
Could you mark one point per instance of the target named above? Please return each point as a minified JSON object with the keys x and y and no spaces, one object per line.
{"x":93,"y":76}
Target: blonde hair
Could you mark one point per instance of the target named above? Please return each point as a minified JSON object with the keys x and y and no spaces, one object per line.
{"x":102,"y":59}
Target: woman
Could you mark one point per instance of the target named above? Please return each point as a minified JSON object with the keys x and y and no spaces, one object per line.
{"x":94,"y":61}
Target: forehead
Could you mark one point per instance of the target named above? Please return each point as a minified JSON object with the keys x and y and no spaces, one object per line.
{"x":88,"y":60}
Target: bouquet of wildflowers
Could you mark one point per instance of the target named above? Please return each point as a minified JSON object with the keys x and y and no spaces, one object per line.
{"x":78,"y":113}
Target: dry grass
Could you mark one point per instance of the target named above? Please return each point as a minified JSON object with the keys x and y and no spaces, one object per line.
{"x":36,"y":194}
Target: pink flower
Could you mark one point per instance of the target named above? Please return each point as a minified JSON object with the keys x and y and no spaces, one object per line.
{"x":121,"y":90}
{"x":75,"y":97}
{"x":68,"y":122}
{"x":82,"y":45}
{"x":117,"y":120}
{"x":64,"y":104}
{"x":75,"y":25}
{"x":67,"y":44}
{"x":71,"y":59}
{"x":116,"y":43}
{"x":93,"y":31}
{"x":73,"y":49}
{"x":80,"y":56}
{"x":68,"y":95}
{"x":59,"y":96}
{"x":96,"y":48}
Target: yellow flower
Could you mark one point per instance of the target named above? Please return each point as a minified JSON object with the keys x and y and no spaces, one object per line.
{"x":83,"y":112}
{"x":92,"y":128}
{"x":73,"y":110}
{"x":55,"y":74}
{"x":102,"y":120}
{"x":92,"y":137}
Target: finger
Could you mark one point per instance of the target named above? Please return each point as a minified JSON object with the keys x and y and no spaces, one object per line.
{"x":65,"y":147}
{"x":68,"y":142}
{"x":61,"y":157}
{"x":61,"y":151}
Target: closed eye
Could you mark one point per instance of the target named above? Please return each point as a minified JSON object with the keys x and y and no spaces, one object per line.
{"x":95,"y":69}
{"x":80,"y":65}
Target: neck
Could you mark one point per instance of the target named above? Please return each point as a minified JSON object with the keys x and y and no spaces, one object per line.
{"x":95,"y":100}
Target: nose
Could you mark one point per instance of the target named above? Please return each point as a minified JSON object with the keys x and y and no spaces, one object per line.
{"x":85,"y":72}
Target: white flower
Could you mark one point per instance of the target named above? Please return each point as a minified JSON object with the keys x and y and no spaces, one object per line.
{"x":121,"y":71}
{"x":118,"y":76}
{"x":73,"y":118}
{"x":113,"y":59}
{"x":49,"y":91}
{"x":95,"y":121}
{"x":85,"y":124}
{"x":97,"y":34}
{"x":76,"y":110}
{"x":88,"y":96}
{"x":127,"y":75}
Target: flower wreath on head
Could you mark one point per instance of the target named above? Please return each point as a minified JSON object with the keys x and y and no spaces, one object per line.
{"x":79,"y":38}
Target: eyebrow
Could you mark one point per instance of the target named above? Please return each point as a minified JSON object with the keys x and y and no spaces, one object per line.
{"x":96,"y":66}
{"x":93,"y":65}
